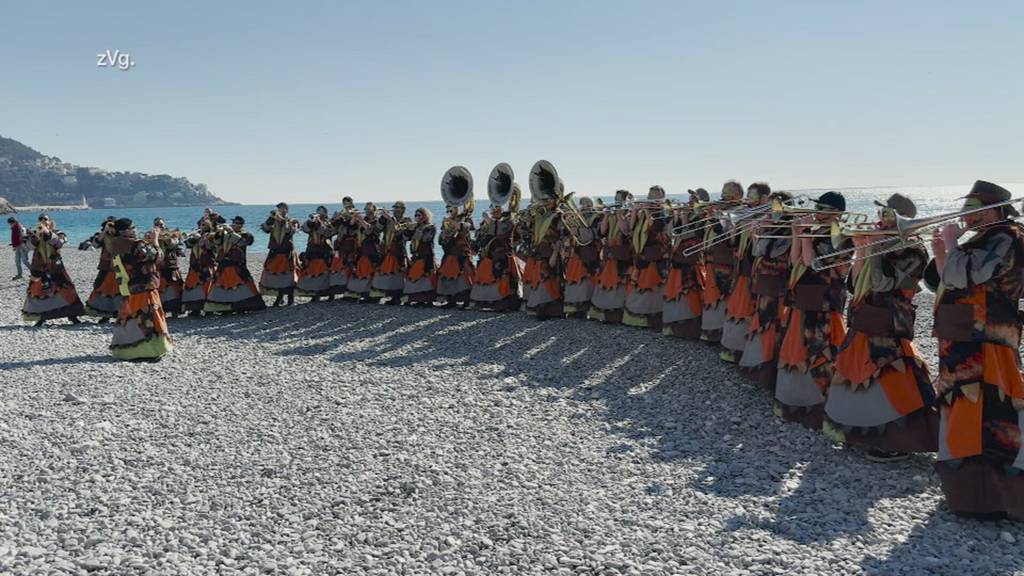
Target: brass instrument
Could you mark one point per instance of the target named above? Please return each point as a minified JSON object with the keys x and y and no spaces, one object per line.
{"x":908,"y":232}
{"x":544,"y":181}
{"x":457,"y":187}
{"x":501,"y":184}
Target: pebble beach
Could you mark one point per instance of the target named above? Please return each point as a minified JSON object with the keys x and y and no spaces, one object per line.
{"x":343,"y":438}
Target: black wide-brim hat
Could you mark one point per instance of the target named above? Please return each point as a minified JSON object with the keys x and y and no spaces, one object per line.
{"x":122,"y":224}
{"x":238,"y":220}
{"x":700,"y":194}
{"x":988,"y":194}
{"x":831,"y":201}
{"x":900,"y":204}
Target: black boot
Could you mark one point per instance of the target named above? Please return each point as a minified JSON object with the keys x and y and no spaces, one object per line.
{"x":39,"y":323}
{"x":74,"y":320}
{"x":278,"y":299}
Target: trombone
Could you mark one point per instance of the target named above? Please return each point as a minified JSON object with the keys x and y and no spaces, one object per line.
{"x":908,"y":232}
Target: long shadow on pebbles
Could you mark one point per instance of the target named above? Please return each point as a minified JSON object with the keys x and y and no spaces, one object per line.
{"x":672,"y":396}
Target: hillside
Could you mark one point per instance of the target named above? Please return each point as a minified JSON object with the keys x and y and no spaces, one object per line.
{"x":29,"y":178}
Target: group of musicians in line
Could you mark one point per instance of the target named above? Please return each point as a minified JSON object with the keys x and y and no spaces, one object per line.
{"x":811,"y":302}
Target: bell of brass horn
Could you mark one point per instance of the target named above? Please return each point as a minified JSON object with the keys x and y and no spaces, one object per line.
{"x":457,"y":186}
{"x":501,"y":184}
{"x":544,"y":182}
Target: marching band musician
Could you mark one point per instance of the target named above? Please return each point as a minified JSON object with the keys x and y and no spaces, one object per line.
{"x":202,"y":264}
{"x":881,"y":395}
{"x":421,"y":278}
{"x":496,"y":283}
{"x":455,"y":277}
{"x":719,"y":263}
{"x":609,"y":298}
{"x":104,"y":301}
{"x":171,"y":284}
{"x":280,"y":275}
{"x":315,"y":261}
{"x":141,"y":329}
{"x":545,"y":275}
{"x":650,"y":244}
{"x":740,"y":306}
{"x":681,"y":310}
{"x":368,"y":228}
{"x":522,"y":241}
{"x":771,"y":249}
{"x":583,"y":259}
{"x":980,"y":389}
{"x":389,"y":278}
{"x":814,"y":319}
{"x":345,"y":250}
{"x":51,"y":293}
{"x":233,"y":289}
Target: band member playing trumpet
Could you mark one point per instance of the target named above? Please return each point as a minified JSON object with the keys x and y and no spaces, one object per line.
{"x":681,"y":311}
{"x":51,"y":293}
{"x":421,"y":278}
{"x":104,"y":301}
{"x":496,"y":284}
{"x":279,"y":275}
{"x":368,"y":229}
{"x":616,"y":260}
{"x":881,"y":395}
{"x":315,"y":262}
{"x":171,"y":283}
{"x":345,"y":249}
{"x":233,"y":289}
{"x":583,"y":261}
{"x":814,"y":320}
{"x":455,"y":277}
{"x":201,"y":264}
{"x":389,"y":278}
{"x":740,"y":306}
{"x":719,"y":262}
{"x":650,"y":242}
{"x":771,"y":248}
{"x":979,"y":285}
{"x":141,"y":329}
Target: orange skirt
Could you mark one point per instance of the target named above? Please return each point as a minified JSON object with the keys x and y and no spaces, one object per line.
{"x":314,"y":268}
{"x":364,"y":267}
{"x":485,"y":271}
{"x":740,"y":303}
{"x":229,"y":278}
{"x":390,"y":265}
{"x":279,"y":264}
{"x":649,"y":278}
{"x":794,"y":346}
{"x":576,"y":271}
{"x":144,"y":303}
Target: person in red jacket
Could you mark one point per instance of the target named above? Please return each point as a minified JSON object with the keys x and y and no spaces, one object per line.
{"x":20,"y":245}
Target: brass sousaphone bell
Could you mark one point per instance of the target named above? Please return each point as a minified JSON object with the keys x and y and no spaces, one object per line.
{"x":457,"y":187}
{"x":501,"y":184}
{"x":544,"y":181}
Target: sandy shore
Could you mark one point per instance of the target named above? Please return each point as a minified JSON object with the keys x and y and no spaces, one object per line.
{"x":346,"y":438}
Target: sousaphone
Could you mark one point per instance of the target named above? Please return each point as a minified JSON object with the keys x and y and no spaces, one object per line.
{"x":457,"y":187}
{"x":544,"y":181}
{"x":501,"y":184}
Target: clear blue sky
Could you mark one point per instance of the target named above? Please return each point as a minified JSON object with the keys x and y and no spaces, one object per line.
{"x":309,"y":101}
